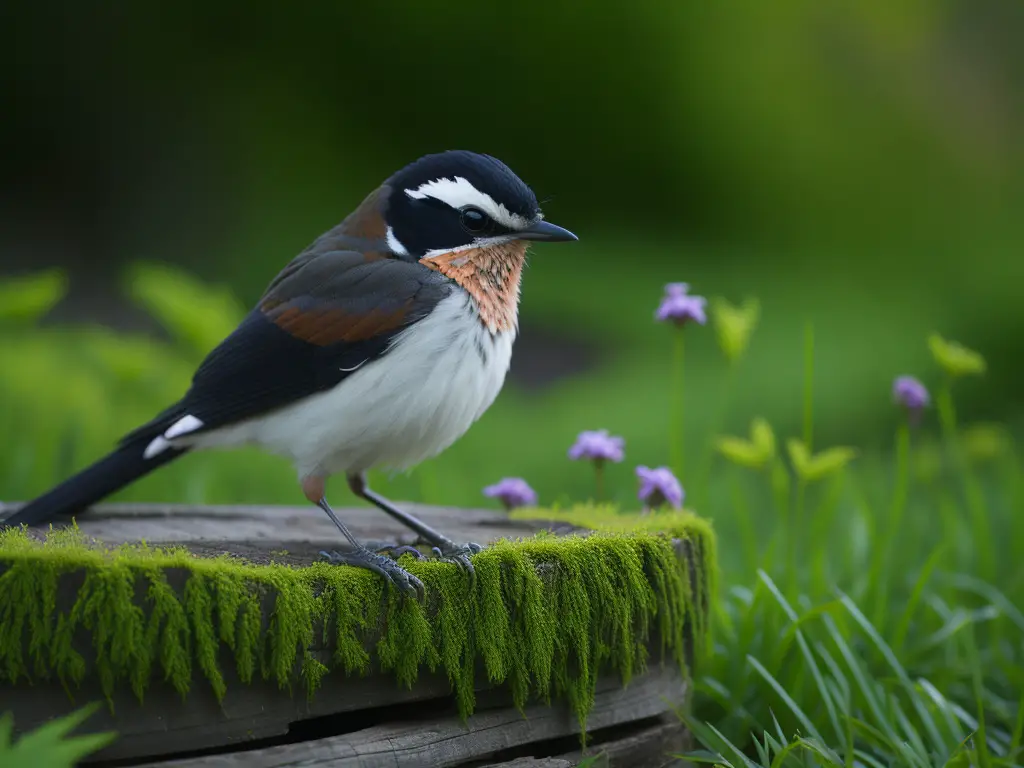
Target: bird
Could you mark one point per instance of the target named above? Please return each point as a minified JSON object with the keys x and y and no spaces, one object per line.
{"x":378,"y":346}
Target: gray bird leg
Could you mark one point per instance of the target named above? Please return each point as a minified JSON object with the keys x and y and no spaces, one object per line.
{"x":443,"y":547}
{"x":361,"y":557}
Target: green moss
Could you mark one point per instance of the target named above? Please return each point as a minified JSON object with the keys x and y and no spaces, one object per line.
{"x":547,"y":616}
{"x":684,"y":525}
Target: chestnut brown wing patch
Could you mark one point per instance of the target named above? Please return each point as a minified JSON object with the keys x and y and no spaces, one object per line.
{"x":321,"y":324}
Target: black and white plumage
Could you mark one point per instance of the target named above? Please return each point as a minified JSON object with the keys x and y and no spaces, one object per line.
{"x":378,"y":346}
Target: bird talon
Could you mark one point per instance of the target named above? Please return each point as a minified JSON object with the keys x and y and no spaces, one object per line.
{"x":458,"y":555}
{"x":406,"y":584}
{"x":394,"y":551}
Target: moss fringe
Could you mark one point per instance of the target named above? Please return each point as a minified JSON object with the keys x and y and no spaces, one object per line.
{"x":547,"y":616}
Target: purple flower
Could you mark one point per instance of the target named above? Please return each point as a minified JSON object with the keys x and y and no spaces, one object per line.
{"x":910,"y":393}
{"x":512,"y":492}
{"x":677,"y":289}
{"x":659,"y":486}
{"x":597,"y":446}
{"x":679,"y":307}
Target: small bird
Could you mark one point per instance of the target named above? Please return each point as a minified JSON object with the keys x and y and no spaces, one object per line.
{"x":377,"y":346}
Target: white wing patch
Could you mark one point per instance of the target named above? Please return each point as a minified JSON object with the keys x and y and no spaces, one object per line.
{"x":183,"y":426}
{"x":395,"y":244}
{"x":459,"y":192}
{"x":157,"y":446}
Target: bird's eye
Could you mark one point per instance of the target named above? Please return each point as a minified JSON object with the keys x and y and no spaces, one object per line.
{"x":474,"y":220}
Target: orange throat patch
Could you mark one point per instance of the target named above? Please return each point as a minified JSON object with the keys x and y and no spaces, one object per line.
{"x":491,"y":275}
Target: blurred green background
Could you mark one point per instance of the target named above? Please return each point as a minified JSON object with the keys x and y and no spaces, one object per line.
{"x":858,"y":165}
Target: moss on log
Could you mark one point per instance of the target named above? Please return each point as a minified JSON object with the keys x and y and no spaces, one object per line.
{"x":546,"y":616}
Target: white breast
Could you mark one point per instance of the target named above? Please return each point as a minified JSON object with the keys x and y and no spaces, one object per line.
{"x":439,"y":377}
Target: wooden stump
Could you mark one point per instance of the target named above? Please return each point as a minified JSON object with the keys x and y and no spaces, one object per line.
{"x":360,"y":720}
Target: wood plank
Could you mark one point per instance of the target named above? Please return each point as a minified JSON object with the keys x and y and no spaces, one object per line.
{"x":165,"y":722}
{"x":651,"y":747}
{"x":449,"y":742}
{"x":533,"y":762}
{"x":293,"y":535}
{"x":116,"y":523}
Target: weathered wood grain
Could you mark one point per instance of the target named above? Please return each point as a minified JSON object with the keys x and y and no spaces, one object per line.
{"x":651,"y":747}
{"x":449,"y":742}
{"x":116,"y":523}
{"x":164,"y":723}
{"x":533,"y":762}
{"x":293,"y":535}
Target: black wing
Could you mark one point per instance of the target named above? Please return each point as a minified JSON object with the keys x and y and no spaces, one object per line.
{"x":324,"y":316}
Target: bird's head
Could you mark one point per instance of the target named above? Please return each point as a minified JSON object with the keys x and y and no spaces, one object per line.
{"x":463,"y":214}
{"x":457,"y":201}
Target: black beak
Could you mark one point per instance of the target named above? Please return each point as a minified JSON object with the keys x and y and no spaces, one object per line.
{"x":543,"y":230}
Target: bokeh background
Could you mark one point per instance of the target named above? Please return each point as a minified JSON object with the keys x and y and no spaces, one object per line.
{"x":856,"y":165}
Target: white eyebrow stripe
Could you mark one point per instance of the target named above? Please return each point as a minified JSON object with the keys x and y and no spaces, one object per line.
{"x":459,"y":192}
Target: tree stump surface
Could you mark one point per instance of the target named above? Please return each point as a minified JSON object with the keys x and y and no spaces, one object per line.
{"x":351,"y":721}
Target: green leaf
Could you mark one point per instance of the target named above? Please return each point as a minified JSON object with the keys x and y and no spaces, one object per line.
{"x":740,"y":452}
{"x":829,"y":462}
{"x":763,"y":437}
{"x":734,"y":325}
{"x":799,"y":456}
{"x":954,"y":358}
{"x":26,"y":299}
{"x":754,"y":453}
{"x":196,"y":314}
{"x":50,"y":746}
{"x":811,"y":468}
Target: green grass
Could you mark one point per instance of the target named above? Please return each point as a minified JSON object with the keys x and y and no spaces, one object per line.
{"x":880,"y":621}
{"x":872,"y":616}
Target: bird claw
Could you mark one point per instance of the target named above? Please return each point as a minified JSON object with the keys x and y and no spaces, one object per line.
{"x":459,"y":555}
{"x":394,"y":551}
{"x":407,"y":584}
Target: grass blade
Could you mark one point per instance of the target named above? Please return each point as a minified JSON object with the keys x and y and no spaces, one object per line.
{"x":988,"y":592}
{"x":922,"y":711}
{"x":942,"y":705}
{"x":805,"y":649}
{"x":891,"y":738}
{"x":1018,"y":729}
{"x":984,"y":758}
{"x":900,"y":634}
{"x":798,"y":713}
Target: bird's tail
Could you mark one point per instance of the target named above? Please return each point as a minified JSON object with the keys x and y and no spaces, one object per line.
{"x":93,"y":483}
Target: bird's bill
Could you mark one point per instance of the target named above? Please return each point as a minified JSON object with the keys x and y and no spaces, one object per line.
{"x":544,"y":230}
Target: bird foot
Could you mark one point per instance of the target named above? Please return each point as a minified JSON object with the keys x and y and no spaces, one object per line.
{"x":395,"y":551}
{"x":447,"y":552}
{"x":458,"y":554}
{"x":407,"y":584}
